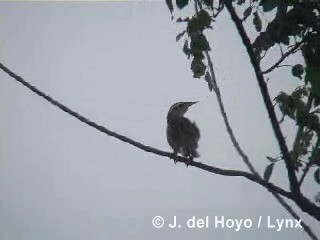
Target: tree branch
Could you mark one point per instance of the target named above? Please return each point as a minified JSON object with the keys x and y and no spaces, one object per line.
{"x":283,"y":57}
{"x":245,"y":157}
{"x":143,"y":147}
{"x":239,"y":149}
{"x":300,"y":200}
{"x":294,"y":186}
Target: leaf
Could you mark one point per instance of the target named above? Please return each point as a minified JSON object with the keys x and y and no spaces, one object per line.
{"x":312,"y":77}
{"x":182,"y":3}
{"x":286,"y":105}
{"x":263,"y":42}
{"x":186,"y":49}
{"x":300,"y":92}
{"x":247,"y":13}
{"x":198,"y":67}
{"x":268,"y":5}
{"x":257,"y":22}
{"x":209,"y":80}
{"x":297,"y":70}
{"x":199,"y":22}
{"x":183,"y":20}
{"x":170,"y":5}
{"x":199,"y":43}
{"x":208,"y":3}
{"x":271,"y":159}
{"x":180,"y":35}
{"x":268,"y":171}
{"x":240,"y":2}
{"x":204,"y":18}
{"x":317,"y":175}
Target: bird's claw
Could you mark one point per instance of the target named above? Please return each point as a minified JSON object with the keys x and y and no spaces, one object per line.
{"x":174,"y":157}
{"x":188,"y":162}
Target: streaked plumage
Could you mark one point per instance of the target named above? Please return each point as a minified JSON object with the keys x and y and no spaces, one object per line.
{"x":182,"y":134}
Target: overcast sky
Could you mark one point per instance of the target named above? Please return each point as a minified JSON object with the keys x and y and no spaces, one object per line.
{"x":119,"y":65}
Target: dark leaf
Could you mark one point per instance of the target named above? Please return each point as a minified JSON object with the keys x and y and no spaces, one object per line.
{"x":209,"y":80}
{"x":183,"y":20}
{"x":180,"y":35}
{"x":268,"y":5}
{"x":317,"y":175}
{"x":271,"y":159}
{"x":240,"y":2}
{"x":286,"y":105}
{"x":186,"y":49}
{"x":170,"y":5}
{"x":204,"y":18}
{"x":268,"y":171}
{"x":246,"y":13}
{"x":199,"y":43}
{"x":313,"y":77}
{"x":300,"y":92}
{"x":316,"y":156}
{"x":208,"y":3}
{"x":257,"y":22}
{"x":297,"y":70}
{"x":198,"y":68}
{"x":199,"y":22}
{"x":182,"y":3}
{"x":263,"y":42}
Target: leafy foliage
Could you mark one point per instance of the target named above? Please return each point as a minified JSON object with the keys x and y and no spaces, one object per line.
{"x":196,"y":44}
{"x":294,"y":27}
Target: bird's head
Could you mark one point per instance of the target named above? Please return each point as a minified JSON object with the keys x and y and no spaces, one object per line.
{"x":180,"y":108}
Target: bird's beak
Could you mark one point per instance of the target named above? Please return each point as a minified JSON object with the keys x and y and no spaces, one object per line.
{"x":191,"y":103}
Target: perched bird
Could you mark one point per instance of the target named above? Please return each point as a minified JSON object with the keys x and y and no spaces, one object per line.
{"x":182,"y":134}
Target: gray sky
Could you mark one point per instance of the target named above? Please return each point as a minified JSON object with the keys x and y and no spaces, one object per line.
{"x":119,"y":65}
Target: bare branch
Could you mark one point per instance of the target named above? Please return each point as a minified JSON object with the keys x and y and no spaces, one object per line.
{"x":284,"y":56}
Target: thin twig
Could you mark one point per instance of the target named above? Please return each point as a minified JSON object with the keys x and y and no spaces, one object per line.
{"x":283,"y":57}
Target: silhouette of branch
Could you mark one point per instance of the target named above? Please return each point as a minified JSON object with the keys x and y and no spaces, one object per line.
{"x":304,"y":203}
{"x":294,"y":186}
{"x":245,"y":157}
{"x":143,"y":147}
{"x":283,"y":57}
{"x":237,"y":146}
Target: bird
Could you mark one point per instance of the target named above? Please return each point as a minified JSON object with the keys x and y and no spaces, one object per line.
{"x":182,"y":134}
